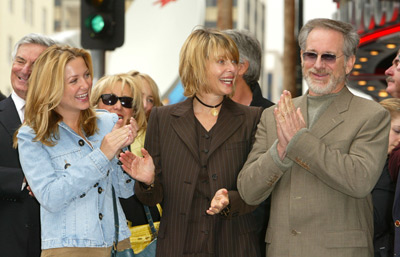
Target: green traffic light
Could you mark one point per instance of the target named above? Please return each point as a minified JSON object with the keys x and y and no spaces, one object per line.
{"x":97,"y":23}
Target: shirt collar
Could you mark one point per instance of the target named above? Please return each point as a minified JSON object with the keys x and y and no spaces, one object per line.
{"x":18,"y":101}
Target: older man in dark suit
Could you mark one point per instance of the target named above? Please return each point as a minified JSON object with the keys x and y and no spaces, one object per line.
{"x":19,"y":212}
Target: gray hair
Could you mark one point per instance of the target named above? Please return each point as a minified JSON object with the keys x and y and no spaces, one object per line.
{"x":33,"y":38}
{"x":249,"y":50}
{"x":350,"y":36}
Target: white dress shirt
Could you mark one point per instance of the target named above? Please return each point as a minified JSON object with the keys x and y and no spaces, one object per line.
{"x":19,"y":104}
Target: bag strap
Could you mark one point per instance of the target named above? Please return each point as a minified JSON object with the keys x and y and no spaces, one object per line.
{"x":116,"y":221}
{"x":150,"y":220}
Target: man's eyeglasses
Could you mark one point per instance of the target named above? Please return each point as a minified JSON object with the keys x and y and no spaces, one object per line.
{"x":111,"y":99}
{"x":325,"y":58}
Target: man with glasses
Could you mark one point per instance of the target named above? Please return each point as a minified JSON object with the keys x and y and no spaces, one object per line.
{"x":319,"y":155}
{"x":19,"y":212}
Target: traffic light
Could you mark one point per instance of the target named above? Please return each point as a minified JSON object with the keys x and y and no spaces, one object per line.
{"x":102,"y":24}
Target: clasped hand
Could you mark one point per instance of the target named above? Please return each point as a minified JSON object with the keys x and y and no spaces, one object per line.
{"x":288,"y":122}
{"x":120,"y":137}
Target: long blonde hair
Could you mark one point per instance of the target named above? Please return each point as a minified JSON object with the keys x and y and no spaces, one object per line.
{"x":392,"y":105}
{"x":46,"y":89}
{"x":126,"y":80}
{"x":152,"y":83}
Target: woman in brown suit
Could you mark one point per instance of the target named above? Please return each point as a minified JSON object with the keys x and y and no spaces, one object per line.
{"x":198,"y":147}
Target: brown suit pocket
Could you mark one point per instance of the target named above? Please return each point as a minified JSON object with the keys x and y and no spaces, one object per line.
{"x":350,"y":238}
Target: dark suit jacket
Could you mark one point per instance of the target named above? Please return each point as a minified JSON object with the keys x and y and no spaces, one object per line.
{"x":19,"y":213}
{"x":171,"y":141}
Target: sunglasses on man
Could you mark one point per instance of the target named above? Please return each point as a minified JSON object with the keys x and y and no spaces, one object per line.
{"x":326,"y":58}
{"x":111,"y":99}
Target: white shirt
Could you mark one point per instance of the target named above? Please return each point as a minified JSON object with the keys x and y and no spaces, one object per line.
{"x":19,"y":104}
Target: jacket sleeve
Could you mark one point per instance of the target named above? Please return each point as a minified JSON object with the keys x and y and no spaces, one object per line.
{"x":11,"y":180}
{"x":260,"y":173}
{"x":152,"y":195}
{"x":237,"y":205}
{"x":353,"y":171}
{"x":54,"y":189}
{"x":122,"y":182}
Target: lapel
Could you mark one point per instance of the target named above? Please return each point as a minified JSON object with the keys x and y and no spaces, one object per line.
{"x":184,"y":125}
{"x":9,"y":118}
{"x":229,"y":120}
{"x":332,"y":116}
{"x":301,"y":102}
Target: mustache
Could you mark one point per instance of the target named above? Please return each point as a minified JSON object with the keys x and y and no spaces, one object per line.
{"x":318,"y":71}
{"x":389,"y":79}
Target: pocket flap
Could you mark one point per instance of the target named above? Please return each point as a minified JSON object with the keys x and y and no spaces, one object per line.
{"x":350,"y":238}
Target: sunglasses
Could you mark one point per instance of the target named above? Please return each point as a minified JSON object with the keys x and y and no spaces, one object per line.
{"x":325,"y":58}
{"x":111,"y":99}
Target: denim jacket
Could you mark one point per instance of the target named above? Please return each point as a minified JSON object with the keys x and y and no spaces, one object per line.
{"x":72,"y":182}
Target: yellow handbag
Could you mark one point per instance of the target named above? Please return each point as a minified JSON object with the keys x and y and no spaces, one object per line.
{"x":141,"y":236}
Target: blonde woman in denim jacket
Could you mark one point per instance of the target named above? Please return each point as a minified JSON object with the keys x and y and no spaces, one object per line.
{"x":68,"y":155}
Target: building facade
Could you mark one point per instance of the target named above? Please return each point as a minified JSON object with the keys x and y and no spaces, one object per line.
{"x":18,"y":18}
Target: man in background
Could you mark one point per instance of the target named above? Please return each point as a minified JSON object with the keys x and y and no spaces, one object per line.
{"x":248,"y":92}
{"x":19,"y":212}
{"x":393,"y":77}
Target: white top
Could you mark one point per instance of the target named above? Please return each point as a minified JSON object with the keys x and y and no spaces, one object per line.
{"x":19,"y":104}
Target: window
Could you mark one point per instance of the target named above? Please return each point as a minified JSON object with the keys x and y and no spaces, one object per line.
{"x":44,"y":21}
{"x":10,"y":49}
{"x":11,"y":6}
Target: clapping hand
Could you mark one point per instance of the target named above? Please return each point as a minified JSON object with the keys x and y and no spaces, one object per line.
{"x":120,"y":137}
{"x":139,"y":168}
{"x":288,"y":122}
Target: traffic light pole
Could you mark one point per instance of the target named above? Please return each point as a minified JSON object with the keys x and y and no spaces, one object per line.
{"x":98,"y":58}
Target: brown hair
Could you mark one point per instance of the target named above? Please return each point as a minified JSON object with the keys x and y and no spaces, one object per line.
{"x":152,"y":83}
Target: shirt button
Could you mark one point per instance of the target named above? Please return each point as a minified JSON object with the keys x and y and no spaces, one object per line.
{"x":397,"y":223}
{"x":206,"y":136}
{"x":205,"y":150}
{"x":128,"y":180}
{"x":95,"y":185}
{"x":294,"y":232}
{"x":82,"y":195}
{"x":100,"y":190}
{"x":67,"y":165}
{"x":108,"y":172}
{"x":100,"y":216}
{"x":214,"y":176}
{"x":81,"y":142}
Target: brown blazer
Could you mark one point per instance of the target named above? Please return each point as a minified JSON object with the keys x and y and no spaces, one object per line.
{"x":321,"y":204}
{"x":172,"y":143}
